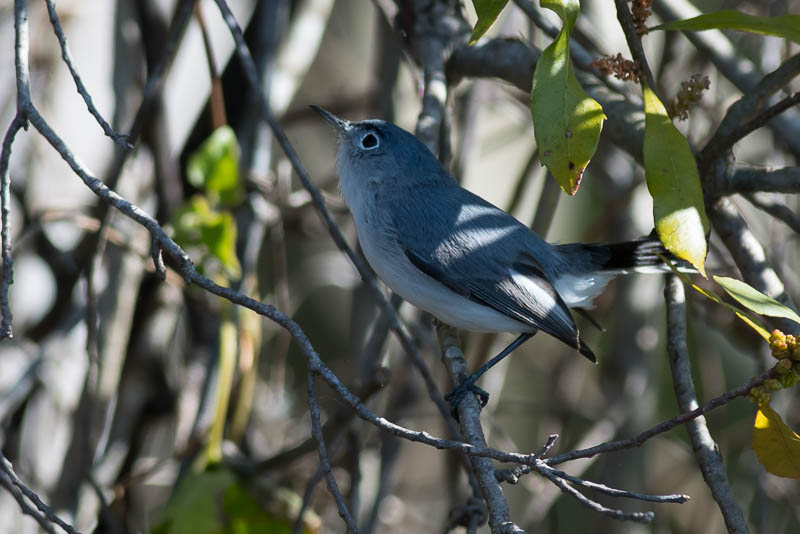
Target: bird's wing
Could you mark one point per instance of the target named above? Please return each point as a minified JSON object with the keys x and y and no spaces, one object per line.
{"x":481,"y":252}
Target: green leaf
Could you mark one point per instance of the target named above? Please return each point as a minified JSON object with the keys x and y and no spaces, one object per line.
{"x":775,"y":444}
{"x":566,"y":121}
{"x":674,"y":184}
{"x":755,"y":300}
{"x":216,"y":502}
{"x":487,"y":11}
{"x":786,"y":26}
{"x":196,"y":223}
{"x":219,"y":235}
{"x":214,"y":167}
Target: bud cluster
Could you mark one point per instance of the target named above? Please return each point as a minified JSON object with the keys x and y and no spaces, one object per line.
{"x":786,"y":349}
{"x":621,"y":68}
{"x":640,"y":11}
{"x":689,"y":94}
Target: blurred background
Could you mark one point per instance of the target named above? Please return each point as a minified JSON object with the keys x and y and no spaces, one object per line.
{"x":110,"y":388}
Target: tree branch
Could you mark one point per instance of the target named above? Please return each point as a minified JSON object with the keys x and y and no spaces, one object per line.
{"x":469,"y":411}
{"x":705,"y":449}
{"x":5,"y":206}
{"x":749,"y":179}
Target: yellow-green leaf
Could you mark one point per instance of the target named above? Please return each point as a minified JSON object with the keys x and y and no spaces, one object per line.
{"x":487,"y":11}
{"x":786,"y":26}
{"x":214,"y":167}
{"x":755,"y":300}
{"x":775,"y":444}
{"x":566,"y":121}
{"x":741,"y":314}
{"x":674,"y":184}
{"x":197,"y":224}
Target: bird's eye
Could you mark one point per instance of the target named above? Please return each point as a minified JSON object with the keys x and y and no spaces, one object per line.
{"x":369,"y":141}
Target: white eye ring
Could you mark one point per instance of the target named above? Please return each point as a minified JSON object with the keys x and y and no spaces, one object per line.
{"x":369,"y":141}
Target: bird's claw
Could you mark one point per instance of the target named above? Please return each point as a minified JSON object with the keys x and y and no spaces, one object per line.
{"x":457,"y":395}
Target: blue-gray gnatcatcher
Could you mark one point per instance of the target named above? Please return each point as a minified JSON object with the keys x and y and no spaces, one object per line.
{"x":455,"y":255}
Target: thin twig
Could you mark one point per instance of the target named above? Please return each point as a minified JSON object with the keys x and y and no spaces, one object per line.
{"x":7,"y":473}
{"x":330,"y":481}
{"x":705,"y":448}
{"x":776,"y":209}
{"x":677,"y":498}
{"x":638,"y":517}
{"x":120,"y":139}
{"x":660,"y":428}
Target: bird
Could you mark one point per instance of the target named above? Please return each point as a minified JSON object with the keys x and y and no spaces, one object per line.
{"x":455,"y":255}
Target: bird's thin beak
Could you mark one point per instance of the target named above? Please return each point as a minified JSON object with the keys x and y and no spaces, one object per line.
{"x":342,"y":126}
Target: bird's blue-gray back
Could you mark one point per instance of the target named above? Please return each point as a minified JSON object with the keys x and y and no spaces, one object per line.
{"x":480,"y":254}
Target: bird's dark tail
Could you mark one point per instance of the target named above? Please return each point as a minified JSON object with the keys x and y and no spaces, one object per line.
{"x":640,"y":255}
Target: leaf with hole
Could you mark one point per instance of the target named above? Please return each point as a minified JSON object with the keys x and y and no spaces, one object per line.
{"x":566,"y":121}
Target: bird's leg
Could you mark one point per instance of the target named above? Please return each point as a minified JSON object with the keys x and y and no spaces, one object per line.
{"x":457,"y":395}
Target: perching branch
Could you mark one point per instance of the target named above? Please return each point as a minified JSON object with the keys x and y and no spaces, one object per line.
{"x":469,"y":410}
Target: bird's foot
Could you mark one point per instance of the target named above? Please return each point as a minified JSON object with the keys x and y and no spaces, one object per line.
{"x":457,"y":395}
